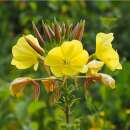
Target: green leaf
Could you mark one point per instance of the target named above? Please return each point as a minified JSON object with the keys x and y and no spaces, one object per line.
{"x":35,"y":106}
{"x":34,"y":126}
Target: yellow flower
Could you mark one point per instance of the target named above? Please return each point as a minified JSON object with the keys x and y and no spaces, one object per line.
{"x":67,"y":59}
{"x":24,"y":55}
{"x":105,"y":52}
{"x":94,"y":66}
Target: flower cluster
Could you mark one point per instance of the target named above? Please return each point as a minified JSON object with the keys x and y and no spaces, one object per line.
{"x":67,"y":59}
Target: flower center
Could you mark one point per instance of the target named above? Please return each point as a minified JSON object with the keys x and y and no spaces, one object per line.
{"x":66,"y":62}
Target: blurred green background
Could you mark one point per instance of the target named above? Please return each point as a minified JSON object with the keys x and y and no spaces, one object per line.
{"x":111,"y":106}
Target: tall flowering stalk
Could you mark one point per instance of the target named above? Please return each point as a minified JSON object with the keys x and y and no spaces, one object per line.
{"x":64,"y":61}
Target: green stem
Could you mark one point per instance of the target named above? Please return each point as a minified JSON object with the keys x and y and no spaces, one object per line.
{"x":67,"y":108}
{"x":60,"y":79}
{"x":51,"y":77}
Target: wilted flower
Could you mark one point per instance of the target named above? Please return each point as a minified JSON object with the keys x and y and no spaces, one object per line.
{"x":107,"y":80}
{"x":105,"y":52}
{"x":18,"y":85}
{"x":49,"y":84}
{"x":25,"y":53}
{"x":67,"y":59}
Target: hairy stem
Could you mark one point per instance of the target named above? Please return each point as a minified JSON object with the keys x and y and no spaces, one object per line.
{"x":67,"y":108}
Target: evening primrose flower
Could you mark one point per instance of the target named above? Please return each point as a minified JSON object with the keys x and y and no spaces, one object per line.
{"x":26,"y":55}
{"x":67,"y":59}
{"x":105,"y":52}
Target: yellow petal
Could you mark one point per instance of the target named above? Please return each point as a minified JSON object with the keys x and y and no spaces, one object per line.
{"x":71,"y":48}
{"x":23,"y":64}
{"x":94,"y":66}
{"x":24,"y":56}
{"x":84,"y":69}
{"x":104,"y":38}
{"x":105,"y":52}
{"x":54,"y":57}
{"x":80,"y":59}
{"x":57,"y":70}
{"x":111,"y":59}
{"x":36,"y":66}
{"x":71,"y":70}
